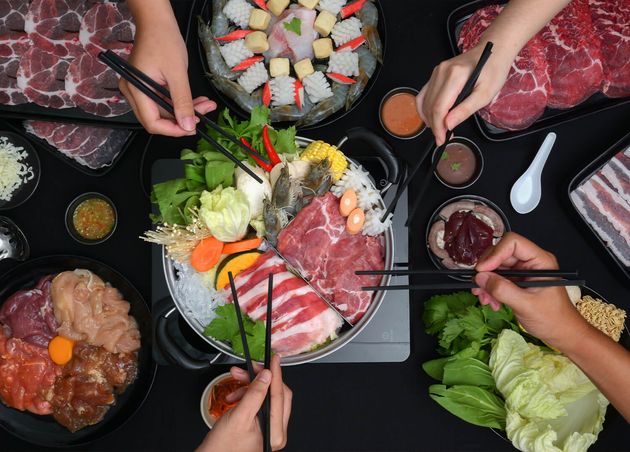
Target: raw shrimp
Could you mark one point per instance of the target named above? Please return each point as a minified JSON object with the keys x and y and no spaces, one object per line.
{"x":216,"y":63}
{"x":286,"y":192}
{"x":326,"y":107}
{"x":318,"y":180}
{"x":367,"y":66}
{"x":291,"y":113}
{"x":369,"y":16}
{"x":220,"y":24}
{"x":274,"y":219}
{"x":236,"y":92}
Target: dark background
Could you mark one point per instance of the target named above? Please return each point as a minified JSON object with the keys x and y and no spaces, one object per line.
{"x":344,"y":406}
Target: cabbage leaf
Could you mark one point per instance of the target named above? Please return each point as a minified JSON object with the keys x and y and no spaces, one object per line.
{"x":226,"y":212}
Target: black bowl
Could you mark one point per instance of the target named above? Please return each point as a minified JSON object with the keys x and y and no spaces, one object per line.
{"x":478,"y":157}
{"x":402,"y":89}
{"x":70,"y":224}
{"x":25,"y":191}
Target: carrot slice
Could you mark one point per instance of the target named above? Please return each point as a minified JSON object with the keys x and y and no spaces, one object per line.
{"x":60,"y":350}
{"x":206,"y":254}
{"x":243,"y":245}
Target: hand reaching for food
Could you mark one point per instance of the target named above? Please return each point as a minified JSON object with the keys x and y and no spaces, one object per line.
{"x":546,"y":313}
{"x":238,"y":429}
{"x":160,"y":52}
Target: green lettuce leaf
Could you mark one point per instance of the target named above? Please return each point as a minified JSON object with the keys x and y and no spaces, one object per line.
{"x":471,"y":403}
{"x":226,"y":213}
{"x":224,"y":327}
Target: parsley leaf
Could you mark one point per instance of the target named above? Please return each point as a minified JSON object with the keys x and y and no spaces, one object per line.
{"x":225,"y":328}
{"x":444,"y":156}
{"x":455,"y":166}
{"x":294,"y":25}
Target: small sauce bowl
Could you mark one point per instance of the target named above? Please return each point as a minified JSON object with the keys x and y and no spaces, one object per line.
{"x":70,"y":223}
{"x":460,"y":162}
{"x":205,"y":403}
{"x":398,"y":114}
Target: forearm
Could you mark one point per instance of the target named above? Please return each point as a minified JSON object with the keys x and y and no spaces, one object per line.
{"x":156,"y":13}
{"x":518,"y":22}
{"x":605,"y":362}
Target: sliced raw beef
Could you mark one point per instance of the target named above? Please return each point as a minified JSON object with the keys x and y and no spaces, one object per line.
{"x":12,"y":13}
{"x":41,"y":77}
{"x":300,"y":319}
{"x":574,"y":56}
{"x":611,"y":20}
{"x":53,"y":25}
{"x":523,"y":97}
{"x":94,"y":147}
{"x":316,"y":244}
{"x":14,"y":44}
{"x":107,"y":26}
{"x":10,"y":94}
{"x":93,"y":87}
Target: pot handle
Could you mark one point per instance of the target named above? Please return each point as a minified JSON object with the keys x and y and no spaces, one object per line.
{"x":382,"y":148}
{"x":172,"y":350}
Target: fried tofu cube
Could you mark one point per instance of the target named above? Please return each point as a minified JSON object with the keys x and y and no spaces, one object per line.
{"x":324,"y":23}
{"x":279,"y":66}
{"x":277,"y":6}
{"x":259,"y":19}
{"x":303,"y":68}
{"x":322,"y":48}
{"x":257,"y":42}
{"x":310,"y":4}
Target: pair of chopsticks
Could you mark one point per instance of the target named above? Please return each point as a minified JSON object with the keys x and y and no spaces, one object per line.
{"x":264,"y":415}
{"x":161,"y":96}
{"x":466,"y":91}
{"x":471,"y":273}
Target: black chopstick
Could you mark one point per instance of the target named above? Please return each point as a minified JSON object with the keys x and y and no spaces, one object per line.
{"x":466,"y":91}
{"x":166,"y":93}
{"x":113,"y":61}
{"x":471,"y":285}
{"x":267,"y":406}
{"x":512,"y":273}
{"x":248,"y":357}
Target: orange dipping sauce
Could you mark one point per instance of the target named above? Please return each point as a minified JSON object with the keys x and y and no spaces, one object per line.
{"x":400,"y":116}
{"x":217,"y":403}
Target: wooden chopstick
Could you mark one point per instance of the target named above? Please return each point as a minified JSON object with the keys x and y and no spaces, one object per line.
{"x":471,"y":285}
{"x":248,"y":357}
{"x":267,"y":406}
{"x":466,"y":91}
{"x":113,"y":63}
{"x":512,"y":273}
{"x":166,"y":93}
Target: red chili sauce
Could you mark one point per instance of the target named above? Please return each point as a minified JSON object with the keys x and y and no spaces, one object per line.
{"x":400,"y":116}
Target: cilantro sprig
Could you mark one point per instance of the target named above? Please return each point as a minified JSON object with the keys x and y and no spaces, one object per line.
{"x":225,"y":328}
{"x":294,"y":25}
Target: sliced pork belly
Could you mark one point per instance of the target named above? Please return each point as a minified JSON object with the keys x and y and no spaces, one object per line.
{"x":617,"y":173}
{"x":301,"y":320}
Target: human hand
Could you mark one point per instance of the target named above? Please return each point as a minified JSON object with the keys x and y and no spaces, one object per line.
{"x":546,"y":313}
{"x":438,"y":95}
{"x":160,"y":52}
{"x":239,"y":429}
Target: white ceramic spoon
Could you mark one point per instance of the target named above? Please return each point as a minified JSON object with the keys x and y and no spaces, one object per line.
{"x":526,"y":191}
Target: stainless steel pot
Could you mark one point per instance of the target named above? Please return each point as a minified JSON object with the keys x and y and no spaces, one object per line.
{"x":172,"y":350}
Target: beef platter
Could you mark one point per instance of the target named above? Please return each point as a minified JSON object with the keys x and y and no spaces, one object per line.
{"x":313,"y":222}
{"x":574,"y":66}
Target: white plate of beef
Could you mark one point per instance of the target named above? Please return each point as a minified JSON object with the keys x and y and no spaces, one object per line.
{"x":560,"y":92}
{"x":600,"y":194}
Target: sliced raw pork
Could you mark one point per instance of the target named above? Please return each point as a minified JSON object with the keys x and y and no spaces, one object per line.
{"x":574,"y":56}
{"x":93,"y":147}
{"x":93,"y":87}
{"x":611,"y":21}
{"x":287,"y":44}
{"x":41,"y":77}
{"x":53,"y":25}
{"x":107,"y":26}
{"x":10,"y":94}
{"x":524,"y":95}
{"x":301,"y":320}
{"x":317,"y":245}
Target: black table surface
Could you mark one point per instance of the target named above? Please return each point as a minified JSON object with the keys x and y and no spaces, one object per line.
{"x":344,"y":406}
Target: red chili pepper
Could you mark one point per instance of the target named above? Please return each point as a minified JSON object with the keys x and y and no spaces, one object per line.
{"x":247,"y":63}
{"x":352,"y":8}
{"x":261,"y":4}
{"x":235,"y":35}
{"x":299,"y":93}
{"x":353,"y":43}
{"x":340,"y":78}
{"x":266,"y":166}
{"x":266,"y":94}
{"x":271,"y":151}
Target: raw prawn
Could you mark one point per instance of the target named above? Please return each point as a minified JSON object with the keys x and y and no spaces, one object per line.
{"x":368,"y":15}
{"x":236,"y":92}
{"x":216,"y":63}
{"x":220,"y":23}
{"x":286,"y":193}
{"x":367,"y":66}
{"x":326,"y":107}
{"x":291,"y":113}
{"x":274,"y":220}
{"x":318,"y":180}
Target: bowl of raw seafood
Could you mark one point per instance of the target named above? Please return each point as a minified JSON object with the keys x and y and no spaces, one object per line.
{"x":310,"y":61}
